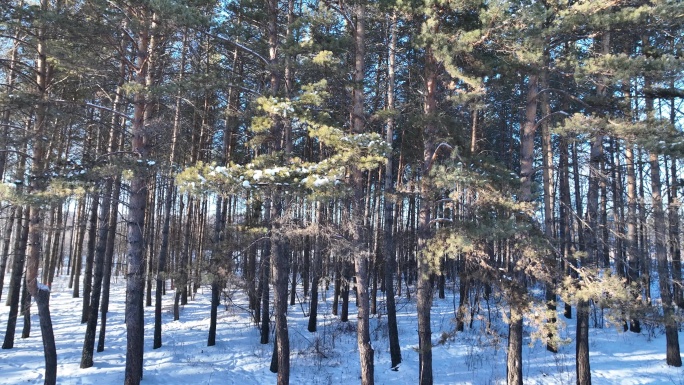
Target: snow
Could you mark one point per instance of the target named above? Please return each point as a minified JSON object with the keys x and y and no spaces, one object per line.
{"x":41,"y":287}
{"x":321,"y":181}
{"x":476,"y":356}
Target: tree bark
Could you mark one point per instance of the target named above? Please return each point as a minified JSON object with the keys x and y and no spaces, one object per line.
{"x":7,"y":239}
{"x":424,"y":286}
{"x":109,"y":256}
{"x":137,"y":201}
{"x":99,"y":260}
{"x":632,"y":239}
{"x":389,"y":250}
{"x":38,"y":184}
{"x":15,"y":278}
{"x":90,"y":256}
{"x":515,"y":326}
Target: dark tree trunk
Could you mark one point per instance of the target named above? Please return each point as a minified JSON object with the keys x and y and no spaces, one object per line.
{"x":317,"y":268}
{"x":78,"y":254}
{"x":217,"y":279}
{"x":109,"y":257}
{"x":14,"y":214}
{"x":26,"y":311}
{"x":293,"y":283}
{"x":582,"y":345}
{"x":673,"y":356}
{"x":424,"y":286}
{"x":135,"y":285}
{"x":337,"y":289}
{"x":515,"y":326}
{"x":265,"y":280}
{"x":161,"y":265}
{"x":90,"y":257}
{"x":77,"y":250}
{"x":389,"y":250}
{"x":344,"y":292}
{"x":100,"y":254}
{"x":16,"y":277}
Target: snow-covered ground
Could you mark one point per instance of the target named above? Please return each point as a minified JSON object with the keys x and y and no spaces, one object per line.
{"x":329,"y":356}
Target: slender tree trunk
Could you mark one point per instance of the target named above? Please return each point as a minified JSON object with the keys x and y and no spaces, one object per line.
{"x":547,"y":179}
{"x":5,"y":120}
{"x":109,"y":256}
{"x":424,"y":286}
{"x":38,"y":184}
{"x":515,"y":326}
{"x":99,"y":262}
{"x":90,"y":256}
{"x":317,"y":269}
{"x":7,"y":239}
{"x":55,"y":255}
{"x":592,"y":227}
{"x":150,"y":237}
{"x":673,"y":237}
{"x":565,"y":215}
{"x":293,"y":283}
{"x":77,"y":250}
{"x":15,"y":279}
{"x":25,"y":305}
{"x":361,"y":257}
{"x":632,"y":239}
{"x":673,"y":356}
{"x":217,"y":281}
{"x":137,"y":201}
{"x":389,"y":250}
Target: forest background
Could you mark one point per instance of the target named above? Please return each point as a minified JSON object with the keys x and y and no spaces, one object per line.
{"x":527,"y":153}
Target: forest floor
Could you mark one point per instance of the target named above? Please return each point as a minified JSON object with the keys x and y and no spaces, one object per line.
{"x":475,"y":356}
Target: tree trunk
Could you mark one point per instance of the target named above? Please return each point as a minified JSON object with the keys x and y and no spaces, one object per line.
{"x":109,"y":256}
{"x":90,"y":256}
{"x":389,"y":250}
{"x":7,"y":239}
{"x":547,"y":180}
{"x":424,"y":286}
{"x":15,"y":279}
{"x":515,"y":326}
{"x":673,"y":356}
{"x":137,"y":201}
{"x":632,"y":239}
{"x":77,"y":249}
{"x":38,"y":184}
{"x":361,"y":257}
{"x":317,"y":270}
{"x":92,"y":311}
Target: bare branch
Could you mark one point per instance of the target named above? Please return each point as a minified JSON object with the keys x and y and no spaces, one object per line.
{"x":240,"y":46}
